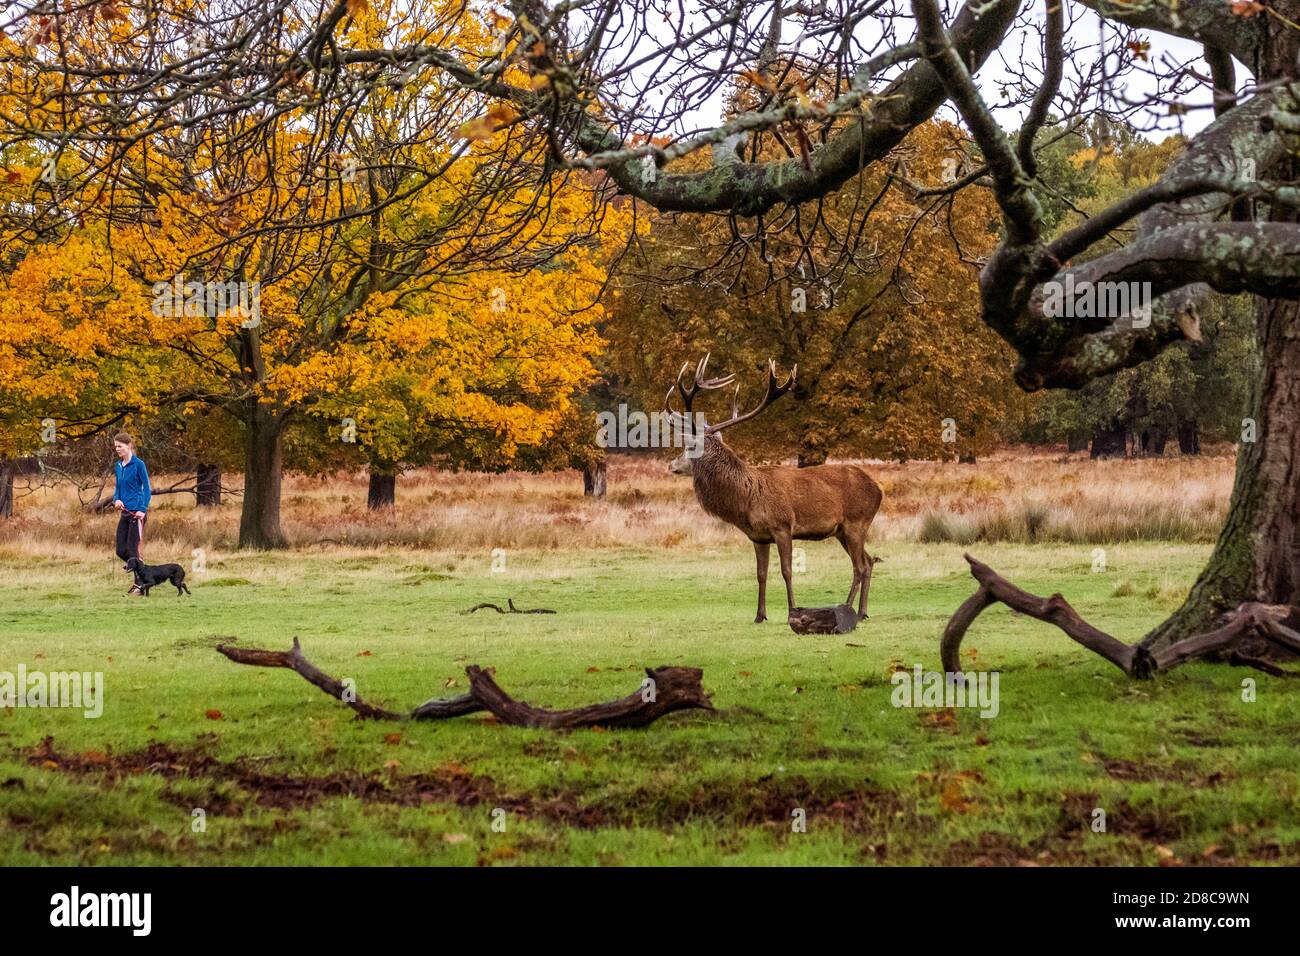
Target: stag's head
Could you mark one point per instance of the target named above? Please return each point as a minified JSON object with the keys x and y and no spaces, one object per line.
{"x":697,"y":435}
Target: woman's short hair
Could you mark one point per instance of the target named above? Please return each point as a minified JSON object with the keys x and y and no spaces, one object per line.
{"x":124,"y":437}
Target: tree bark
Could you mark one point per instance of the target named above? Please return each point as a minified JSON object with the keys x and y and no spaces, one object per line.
{"x":207,"y":486}
{"x":259,"y":522}
{"x":6,"y":488}
{"x":594,"y":480}
{"x":1189,"y":438}
{"x":1108,"y":442}
{"x":383,"y":490}
{"x":1257,"y":557}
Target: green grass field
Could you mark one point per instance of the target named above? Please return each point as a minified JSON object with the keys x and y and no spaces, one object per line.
{"x":1185,"y":770}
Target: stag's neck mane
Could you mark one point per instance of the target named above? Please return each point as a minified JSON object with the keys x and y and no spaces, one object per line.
{"x":724,"y":484}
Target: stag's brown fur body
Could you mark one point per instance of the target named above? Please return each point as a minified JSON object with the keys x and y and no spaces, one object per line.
{"x":779,"y":505}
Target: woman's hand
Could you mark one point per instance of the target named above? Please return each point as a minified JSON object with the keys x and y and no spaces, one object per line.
{"x":119,"y":506}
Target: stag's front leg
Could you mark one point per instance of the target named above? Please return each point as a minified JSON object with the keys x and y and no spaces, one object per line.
{"x":762,"y":551}
{"x":784,"y":549}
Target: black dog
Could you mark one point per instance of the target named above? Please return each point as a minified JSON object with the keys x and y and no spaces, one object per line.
{"x":147,"y":575}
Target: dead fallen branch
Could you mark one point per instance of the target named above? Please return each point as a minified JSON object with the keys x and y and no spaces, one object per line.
{"x":510,"y":603}
{"x":665,"y":689}
{"x":840,"y":619}
{"x":1250,"y":621}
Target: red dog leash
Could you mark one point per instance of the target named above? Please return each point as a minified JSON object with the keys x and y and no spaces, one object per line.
{"x":139,"y":517}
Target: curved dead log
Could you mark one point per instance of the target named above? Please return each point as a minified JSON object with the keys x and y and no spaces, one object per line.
{"x":665,"y":689}
{"x":294,"y":661}
{"x":510,"y":603}
{"x":1250,"y":622}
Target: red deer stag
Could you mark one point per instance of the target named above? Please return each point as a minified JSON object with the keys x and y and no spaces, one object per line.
{"x":775,"y":505}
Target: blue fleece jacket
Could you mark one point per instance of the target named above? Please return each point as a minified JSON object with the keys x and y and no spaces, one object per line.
{"x":132,"y":484}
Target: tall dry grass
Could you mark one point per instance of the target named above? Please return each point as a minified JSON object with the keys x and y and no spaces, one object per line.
{"x":1013,"y":497}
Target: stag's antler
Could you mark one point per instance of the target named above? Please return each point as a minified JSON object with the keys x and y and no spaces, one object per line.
{"x":699,"y":384}
{"x":774,"y":391}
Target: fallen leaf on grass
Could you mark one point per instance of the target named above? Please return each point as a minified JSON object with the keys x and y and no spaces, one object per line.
{"x":945,"y":717}
{"x":953,"y":798}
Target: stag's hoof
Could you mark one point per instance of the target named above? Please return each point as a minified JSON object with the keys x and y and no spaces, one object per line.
{"x":759,"y":619}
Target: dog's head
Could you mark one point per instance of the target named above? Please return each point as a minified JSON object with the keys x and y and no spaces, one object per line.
{"x":134,"y":564}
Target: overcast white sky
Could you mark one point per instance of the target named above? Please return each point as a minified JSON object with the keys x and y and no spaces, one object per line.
{"x":1084,"y":32}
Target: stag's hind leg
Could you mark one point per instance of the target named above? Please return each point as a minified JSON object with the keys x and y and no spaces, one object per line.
{"x":784,"y":549}
{"x":854,"y":544}
{"x":762,"y":551}
{"x":868,"y":562}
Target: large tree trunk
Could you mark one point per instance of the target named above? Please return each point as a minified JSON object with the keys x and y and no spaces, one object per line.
{"x":383,"y":490}
{"x":207,"y":486}
{"x":259,"y":523}
{"x":1257,"y":557}
{"x":1109,"y":442}
{"x":1189,"y":438}
{"x":594,"y":480}
{"x":6,"y":488}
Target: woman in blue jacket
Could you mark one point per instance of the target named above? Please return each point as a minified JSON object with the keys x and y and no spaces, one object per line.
{"x":131,"y":496}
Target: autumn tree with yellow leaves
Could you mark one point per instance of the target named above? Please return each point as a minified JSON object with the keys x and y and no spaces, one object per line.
{"x":394,"y":264}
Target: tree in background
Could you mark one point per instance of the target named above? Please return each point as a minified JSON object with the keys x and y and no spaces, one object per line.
{"x":423,"y":315}
{"x":893,"y":359}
